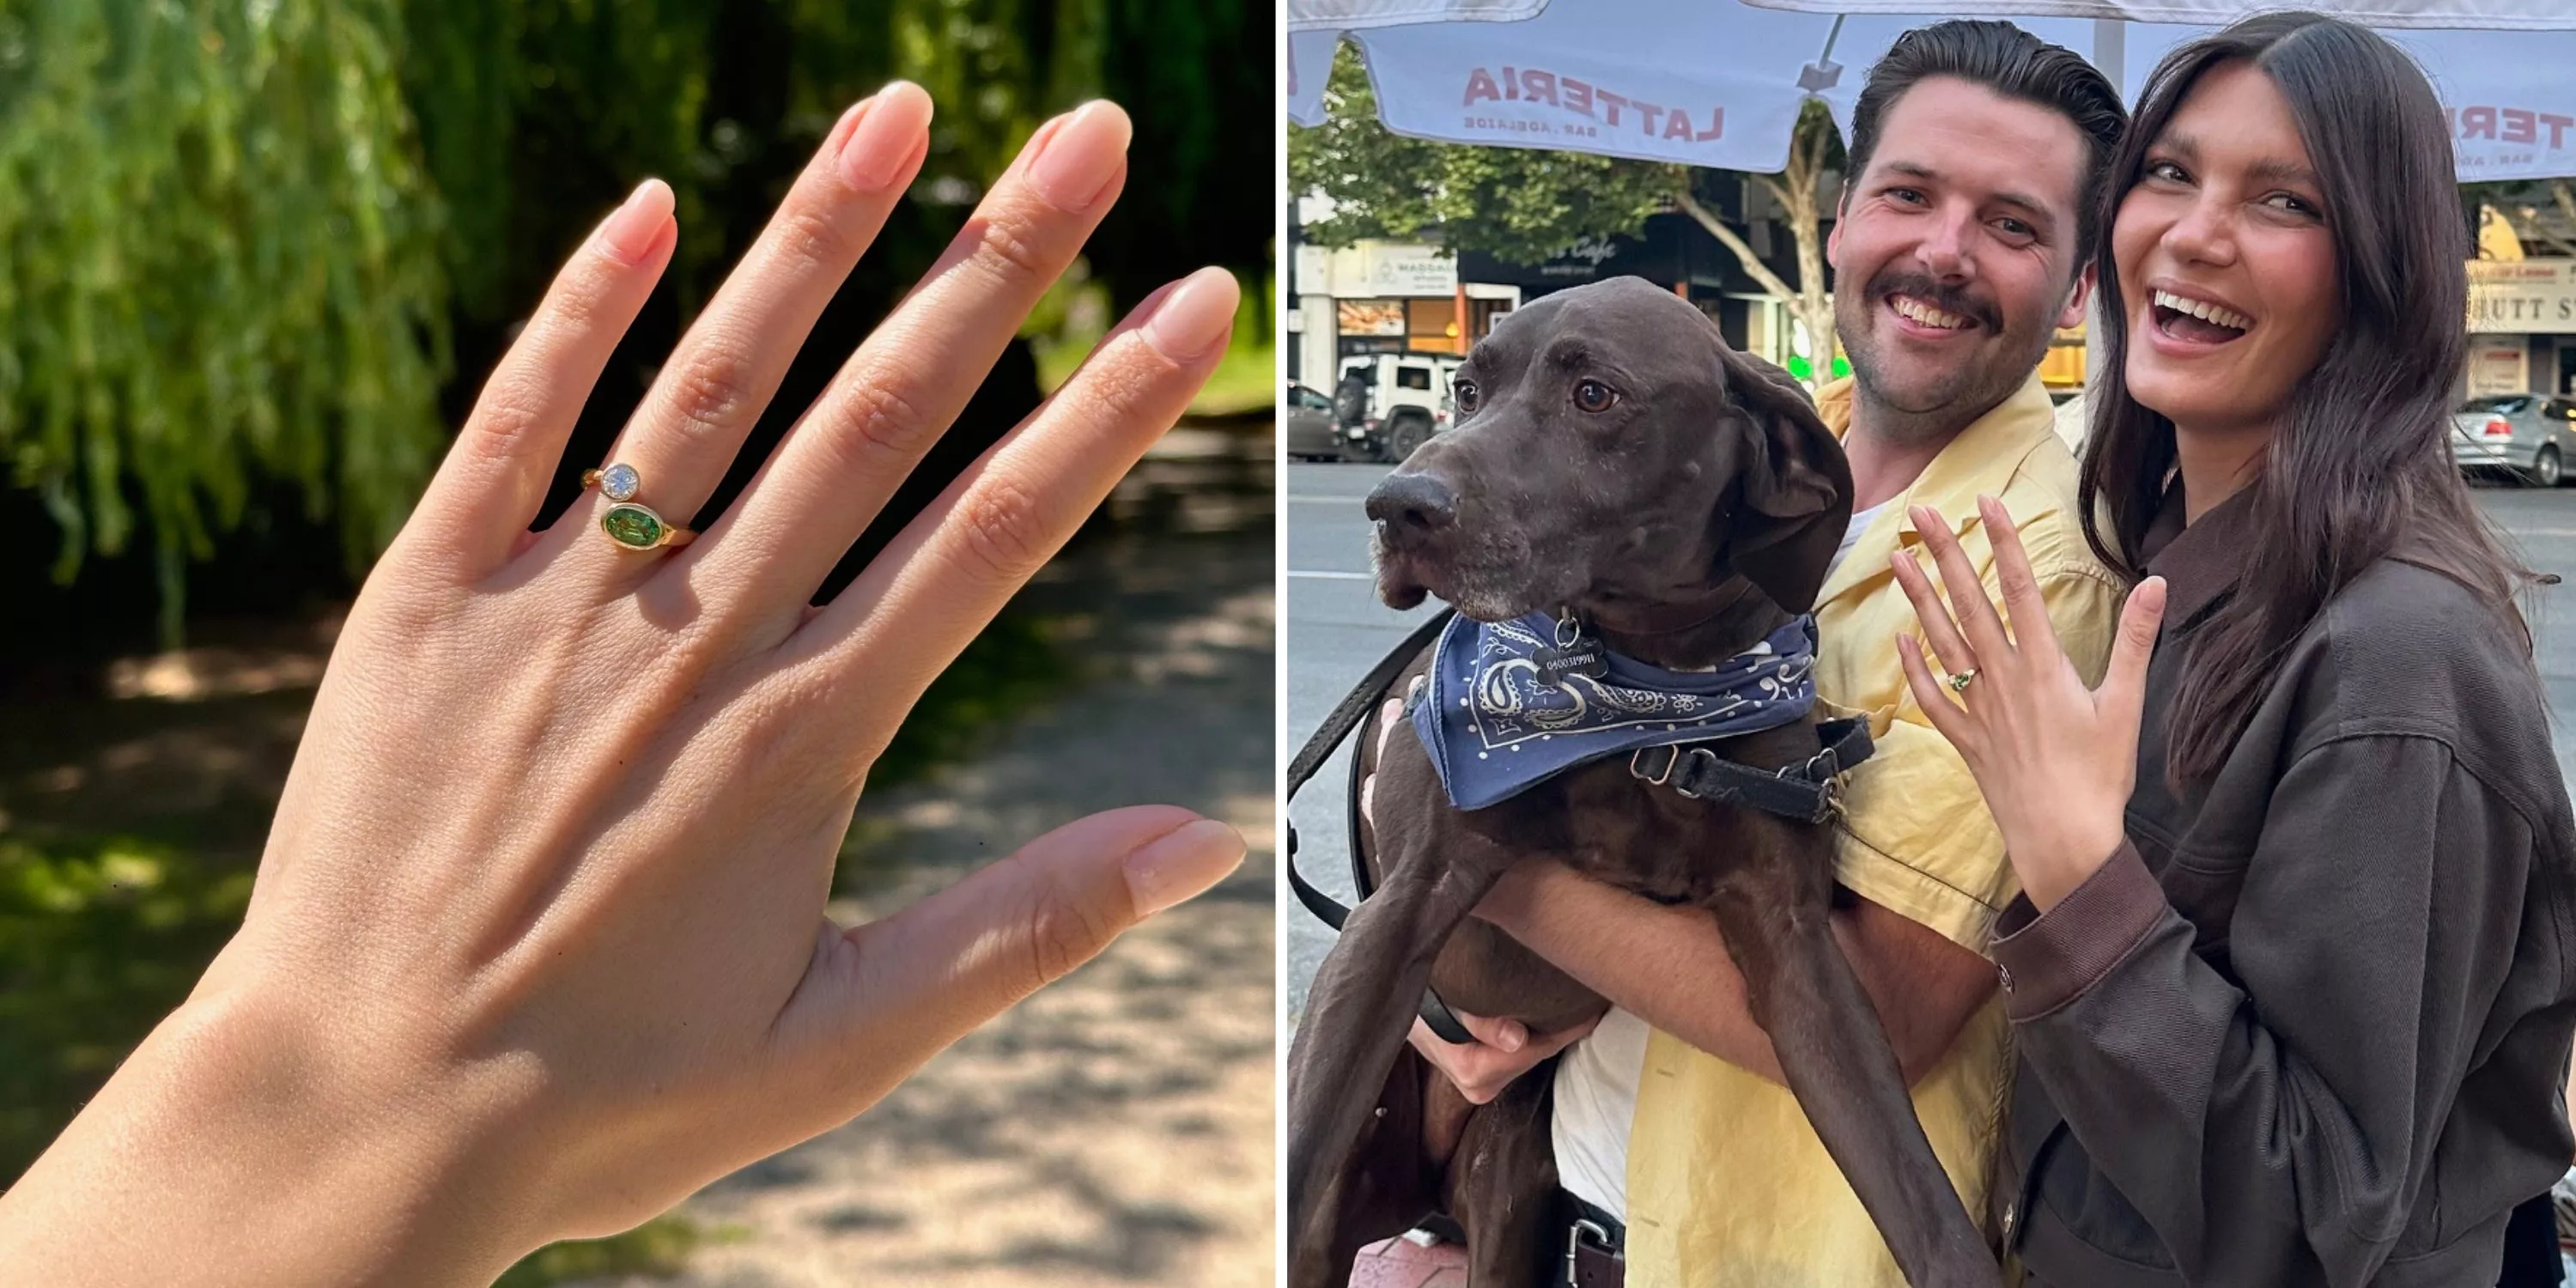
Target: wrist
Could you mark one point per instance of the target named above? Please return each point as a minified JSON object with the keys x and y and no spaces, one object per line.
{"x":2054,"y":862}
{"x":248,"y":1141}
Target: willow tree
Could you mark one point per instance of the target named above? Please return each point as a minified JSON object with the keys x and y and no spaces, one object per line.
{"x":265,"y":249}
{"x":218,"y":271}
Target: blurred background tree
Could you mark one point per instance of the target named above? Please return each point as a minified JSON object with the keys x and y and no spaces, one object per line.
{"x":256,"y":257}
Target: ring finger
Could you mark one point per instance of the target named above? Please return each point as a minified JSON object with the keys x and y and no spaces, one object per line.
{"x":1939,"y":630}
{"x":695,"y":417}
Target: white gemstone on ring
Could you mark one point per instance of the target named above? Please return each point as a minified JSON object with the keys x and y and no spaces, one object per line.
{"x":619,"y":482}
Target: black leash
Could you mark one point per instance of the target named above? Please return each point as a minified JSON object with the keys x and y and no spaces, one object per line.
{"x":1810,"y":791}
{"x":1355,"y":707}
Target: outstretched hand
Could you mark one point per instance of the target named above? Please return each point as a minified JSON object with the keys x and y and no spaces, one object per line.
{"x":537,"y":945}
{"x":2055,"y":760}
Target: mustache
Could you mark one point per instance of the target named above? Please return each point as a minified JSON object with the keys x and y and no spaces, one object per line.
{"x":1948,"y":299}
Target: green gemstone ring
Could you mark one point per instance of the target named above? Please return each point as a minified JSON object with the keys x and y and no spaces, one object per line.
{"x":629,"y":523}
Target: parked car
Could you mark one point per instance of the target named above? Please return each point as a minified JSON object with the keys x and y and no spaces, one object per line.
{"x":1309,"y":427}
{"x":1403,"y":400}
{"x":2532,"y":435}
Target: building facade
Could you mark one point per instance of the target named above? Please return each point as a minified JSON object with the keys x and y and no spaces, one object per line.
{"x":2522,"y":327}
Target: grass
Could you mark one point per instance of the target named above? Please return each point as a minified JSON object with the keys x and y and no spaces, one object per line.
{"x":659,"y":1249}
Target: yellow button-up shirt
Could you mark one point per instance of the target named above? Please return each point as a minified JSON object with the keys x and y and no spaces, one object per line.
{"x":1727,"y":1183}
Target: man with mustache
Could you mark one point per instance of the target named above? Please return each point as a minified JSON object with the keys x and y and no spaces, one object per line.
{"x":1963,"y":240}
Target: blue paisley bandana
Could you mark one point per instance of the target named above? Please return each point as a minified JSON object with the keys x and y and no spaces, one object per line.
{"x":1495,"y":731}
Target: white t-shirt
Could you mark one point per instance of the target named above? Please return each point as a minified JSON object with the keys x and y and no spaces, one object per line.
{"x":1596,"y":1079}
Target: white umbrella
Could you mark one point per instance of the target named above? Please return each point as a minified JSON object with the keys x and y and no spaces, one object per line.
{"x":2510,"y":96}
{"x":1706,"y":84}
{"x":1354,"y":15}
{"x":2513,"y":15}
{"x":1716,"y":83}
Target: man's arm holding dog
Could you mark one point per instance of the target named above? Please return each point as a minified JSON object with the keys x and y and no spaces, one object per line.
{"x":1669,"y":965}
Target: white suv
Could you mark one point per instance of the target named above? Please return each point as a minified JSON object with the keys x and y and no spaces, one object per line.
{"x":1399,"y":401}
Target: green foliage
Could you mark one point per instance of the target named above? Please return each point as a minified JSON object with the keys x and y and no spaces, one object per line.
{"x":1521,"y":204}
{"x":265,"y":249}
{"x":217,"y":267}
{"x":99,"y":938}
{"x":659,"y":1248}
{"x":1009,"y":668}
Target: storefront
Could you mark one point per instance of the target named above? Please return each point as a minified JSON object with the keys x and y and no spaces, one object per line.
{"x":1383,"y":297}
{"x":1673,"y":252}
{"x":2522,"y":327}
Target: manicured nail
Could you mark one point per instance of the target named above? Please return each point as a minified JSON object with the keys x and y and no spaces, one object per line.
{"x":1181,"y":864}
{"x":1076,"y":160}
{"x":630,"y":230}
{"x":1194,"y":317}
{"x":889,"y":129}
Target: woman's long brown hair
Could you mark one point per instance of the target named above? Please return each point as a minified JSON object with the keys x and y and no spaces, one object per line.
{"x":2359,"y":459}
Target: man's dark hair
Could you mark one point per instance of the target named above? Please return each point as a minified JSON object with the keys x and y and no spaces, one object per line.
{"x":2011,"y":63}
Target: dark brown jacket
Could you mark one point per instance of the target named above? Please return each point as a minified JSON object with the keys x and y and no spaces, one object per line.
{"x":2310,"y":1025}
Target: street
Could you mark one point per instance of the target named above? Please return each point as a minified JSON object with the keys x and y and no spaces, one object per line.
{"x":1335,"y":629}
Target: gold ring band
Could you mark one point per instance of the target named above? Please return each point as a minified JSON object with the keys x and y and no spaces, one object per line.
{"x":1959,"y":682}
{"x":628,"y":522}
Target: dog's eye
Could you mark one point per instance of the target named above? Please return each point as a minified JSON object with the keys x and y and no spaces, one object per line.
{"x":1594,"y":396}
{"x":1463,"y":393}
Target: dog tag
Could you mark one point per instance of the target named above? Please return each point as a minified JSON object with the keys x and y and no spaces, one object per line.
{"x":1574,"y":653}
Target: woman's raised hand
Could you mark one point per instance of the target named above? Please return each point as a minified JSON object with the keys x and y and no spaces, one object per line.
{"x":537,"y":945}
{"x":2054,"y":760}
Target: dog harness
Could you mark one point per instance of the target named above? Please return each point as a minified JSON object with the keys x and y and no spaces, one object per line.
{"x":1809,"y":791}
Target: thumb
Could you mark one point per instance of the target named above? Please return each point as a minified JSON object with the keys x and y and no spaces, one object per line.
{"x":907,"y":986}
{"x":1503,"y":1035}
{"x":2124,"y":681}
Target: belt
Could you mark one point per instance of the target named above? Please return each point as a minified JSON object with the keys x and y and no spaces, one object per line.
{"x":1596,"y":1245}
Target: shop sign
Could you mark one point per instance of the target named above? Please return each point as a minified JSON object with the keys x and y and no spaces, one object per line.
{"x":2498,"y":367}
{"x":1393,"y":268}
{"x":2522,"y":297}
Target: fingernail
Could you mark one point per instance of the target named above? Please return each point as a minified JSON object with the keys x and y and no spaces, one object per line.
{"x":1194,"y":317}
{"x":1181,"y":864}
{"x":890,"y":126}
{"x":630,"y":230}
{"x":1076,"y":160}
{"x":1513,"y":1037}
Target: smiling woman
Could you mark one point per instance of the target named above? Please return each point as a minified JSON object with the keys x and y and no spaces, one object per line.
{"x":2228,"y":259}
{"x":2287,"y":974}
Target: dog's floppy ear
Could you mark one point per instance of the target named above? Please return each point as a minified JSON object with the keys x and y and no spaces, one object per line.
{"x":1796,"y":485}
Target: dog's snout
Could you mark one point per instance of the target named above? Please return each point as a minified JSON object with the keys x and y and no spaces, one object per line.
{"x":1412,"y":505}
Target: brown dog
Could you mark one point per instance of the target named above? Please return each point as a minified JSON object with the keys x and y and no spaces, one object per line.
{"x":1614,"y":455}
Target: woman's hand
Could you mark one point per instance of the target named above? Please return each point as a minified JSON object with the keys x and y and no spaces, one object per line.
{"x":2055,"y":761}
{"x":537,"y":945}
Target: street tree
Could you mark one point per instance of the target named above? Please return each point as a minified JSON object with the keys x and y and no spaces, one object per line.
{"x":1526,"y":205}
